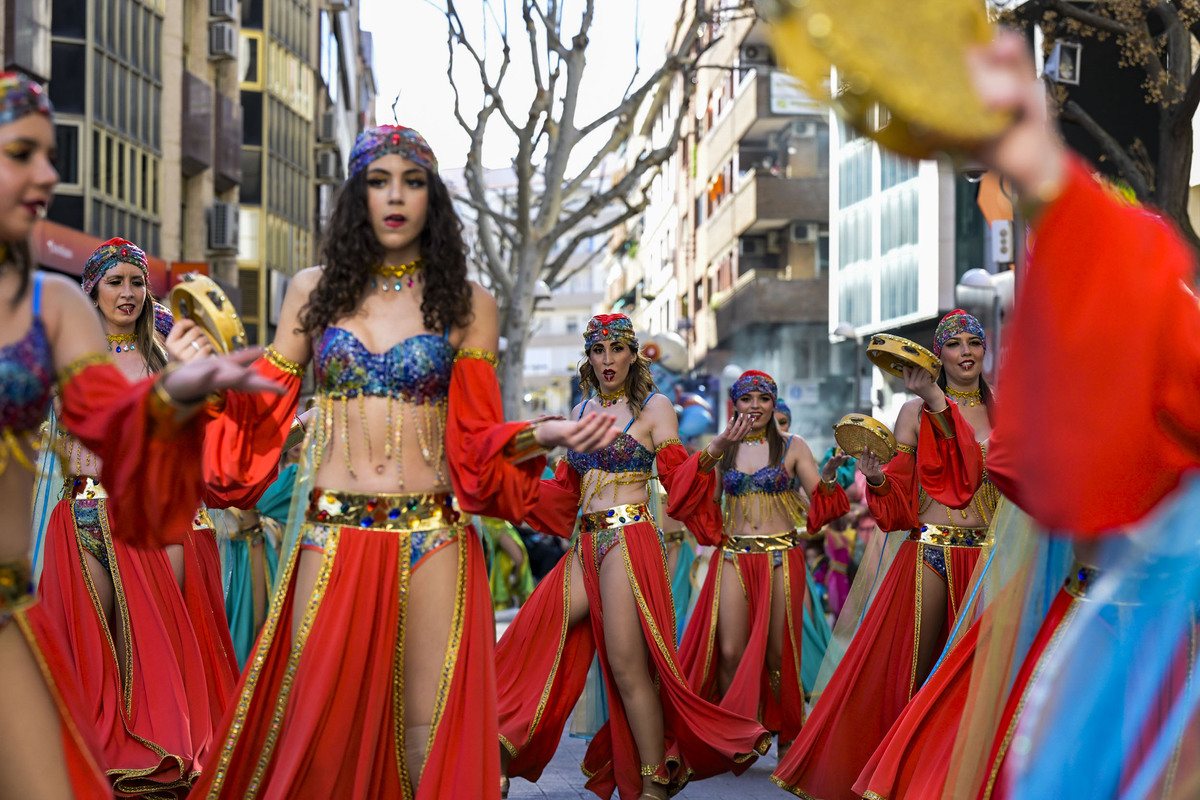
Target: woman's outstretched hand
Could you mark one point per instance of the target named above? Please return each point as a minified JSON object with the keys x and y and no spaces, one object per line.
{"x":734,"y":432}
{"x":593,"y":432}
{"x":195,"y":380}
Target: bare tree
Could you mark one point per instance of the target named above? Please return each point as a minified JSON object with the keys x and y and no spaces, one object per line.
{"x":556,"y":205}
{"x":1155,"y":36}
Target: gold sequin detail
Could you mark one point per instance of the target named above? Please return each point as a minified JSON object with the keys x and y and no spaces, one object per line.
{"x":478,"y":353}
{"x":281,"y":363}
{"x":663,"y":445}
{"x":72,"y":370}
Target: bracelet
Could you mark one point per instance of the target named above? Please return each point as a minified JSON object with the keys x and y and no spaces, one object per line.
{"x":295,"y":435}
{"x":283,"y":364}
{"x":524,"y":445}
{"x":943,"y":428}
{"x":708,"y":460}
{"x":829,"y":486}
{"x":165,"y":407}
{"x":882,"y":489}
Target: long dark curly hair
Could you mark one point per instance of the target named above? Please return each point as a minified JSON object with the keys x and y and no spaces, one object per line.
{"x":351,"y":248}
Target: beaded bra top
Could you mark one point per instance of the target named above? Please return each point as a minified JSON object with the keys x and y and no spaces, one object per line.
{"x":768,"y":480}
{"x":762,"y":493}
{"x":416,"y":370}
{"x":26,"y":382}
{"x":625,"y":462}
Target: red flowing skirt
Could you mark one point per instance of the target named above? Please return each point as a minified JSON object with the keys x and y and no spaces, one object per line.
{"x":323,"y":716}
{"x":155,"y":716}
{"x":80,"y":748}
{"x":750,"y":693}
{"x":874,"y":681}
{"x":542,"y":668}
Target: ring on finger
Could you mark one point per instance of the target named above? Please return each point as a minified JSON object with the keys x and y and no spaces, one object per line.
{"x":196,"y":345}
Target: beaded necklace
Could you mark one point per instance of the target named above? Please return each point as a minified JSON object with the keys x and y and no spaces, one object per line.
{"x":755,"y":439}
{"x":964,"y":398}
{"x":122,"y":342}
{"x":607,"y":400}
{"x":393,"y":277}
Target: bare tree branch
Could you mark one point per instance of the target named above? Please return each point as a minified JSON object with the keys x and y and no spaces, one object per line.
{"x":1073,"y":112}
{"x":1091,"y":19}
{"x":552,"y":269}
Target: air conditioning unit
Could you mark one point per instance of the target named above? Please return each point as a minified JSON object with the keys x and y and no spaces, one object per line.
{"x":752,"y":246}
{"x":325,"y":127}
{"x":754,"y":54}
{"x":329,"y":166}
{"x":223,"y":9}
{"x":222,"y":41}
{"x":339,"y":5}
{"x":775,"y":241}
{"x":803,"y":129}
{"x":223,"y":226}
{"x":804,"y":232}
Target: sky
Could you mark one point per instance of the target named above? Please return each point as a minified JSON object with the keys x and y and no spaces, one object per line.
{"x":411,"y":60}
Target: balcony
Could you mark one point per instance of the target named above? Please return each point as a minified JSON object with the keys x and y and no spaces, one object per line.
{"x":196,"y":134}
{"x":762,"y":202}
{"x":764,"y":298}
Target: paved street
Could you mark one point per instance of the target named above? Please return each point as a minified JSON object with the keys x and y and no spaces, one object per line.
{"x":562,"y":780}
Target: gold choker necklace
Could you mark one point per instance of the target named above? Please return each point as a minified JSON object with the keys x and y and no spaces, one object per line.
{"x":610,"y":399}
{"x":122,"y":341}
{"x":753,"y":439}
{"x":393,"y":277}
{"x":964,"y":398}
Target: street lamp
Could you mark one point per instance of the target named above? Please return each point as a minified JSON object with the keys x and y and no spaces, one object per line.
{"x":847,"y":332}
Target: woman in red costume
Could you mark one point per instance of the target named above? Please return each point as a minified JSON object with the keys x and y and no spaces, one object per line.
{"x":373,"y":675}
{"x":743,"y":645}
{"x":145,"y":628}
{"x":150,"y":453}
{"x":612,"y":595}
{"x":916,"y":605}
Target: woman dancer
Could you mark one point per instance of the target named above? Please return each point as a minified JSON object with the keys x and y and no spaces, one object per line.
{"x":919,"y":599}
{"x":744,"y":645}
{"x":145,"y":628}
{"x":373,"y":676}
{"x":149,"y":447}
{"x":611,"y":594}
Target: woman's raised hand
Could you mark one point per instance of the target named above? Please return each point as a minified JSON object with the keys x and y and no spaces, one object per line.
{"x":918,"y":381}
{"x":187,"y":341}
{"x":737,"y":429}
{"x":871,"y":467}
{"x":593,"y":432}
{"x":195,"y":380}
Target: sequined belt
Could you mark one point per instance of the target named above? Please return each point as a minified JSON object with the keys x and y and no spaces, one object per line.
{"x":16,"y":588}
{"x":1080,"y":579}
{"x":762,"y":544}
{"x":950,"y":536}
{"x":389,"y":512}
{"x":82,"y":487}
{"x":615,"y":517}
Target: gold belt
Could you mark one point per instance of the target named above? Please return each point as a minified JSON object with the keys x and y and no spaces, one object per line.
{"x":1080,"y":578}
{"x":82,"y":487}
{"x":674,"y":537}
{"x":389,"y":512}
{"x":762,"y":544}
{"x":615,"y":517}
{"x":16,"y":587}
{"x":950,"y":536}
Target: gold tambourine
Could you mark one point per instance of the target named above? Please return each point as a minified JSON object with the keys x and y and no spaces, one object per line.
{"x":894,"y":353}
{"x":904,"y":59}
{"x":857,"y":432}
{"x":198,"y":298}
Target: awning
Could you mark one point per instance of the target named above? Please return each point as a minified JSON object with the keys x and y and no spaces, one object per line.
{"x":66,"y":250}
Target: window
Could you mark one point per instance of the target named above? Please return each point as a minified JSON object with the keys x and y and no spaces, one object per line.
{"x":108,"y":165}
{"x":97,"y":159}
{"x":121,"y":176}
{"x":250,"y":66}
{"x":69,"y":19}
{"x":66,"y":142}
{"x":68,"y":62}
{"x":252,"y":14}
{"x":144,"y":174}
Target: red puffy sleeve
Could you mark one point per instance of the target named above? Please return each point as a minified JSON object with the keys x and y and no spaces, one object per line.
{"x":150,"y":459}
{"x":690,"y":493}
{"x":1102,"y":365}
{"x":243,"y":442}
{"x":950,"y":467}
{"x":558,"y":503}
{"x":485,"y":481}
{"x":894,"y":504}
{"x":826,"y":505}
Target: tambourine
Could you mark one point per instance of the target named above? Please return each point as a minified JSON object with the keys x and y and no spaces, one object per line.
{"x":198,"y":298}
{"x":894,"y":353}
{"x":902,"y":79}
{"x":855,"y":433}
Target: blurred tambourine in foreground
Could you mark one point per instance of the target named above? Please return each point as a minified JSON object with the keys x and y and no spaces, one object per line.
{"x":198,"y":298}
{"x":857,"y":432}
{"x":901,"y":72}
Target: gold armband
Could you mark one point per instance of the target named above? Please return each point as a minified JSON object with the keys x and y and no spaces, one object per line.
{"x":906,"y":448}
{"x":524,"y":445}
{"x":283,"y":364}
{"x":882,"y":489}
{"x":942,"y":426}
{"x":708,"y":460}
{"x":478,"y":354}
{"x":829,"y":487}
{"x":165,"y":408}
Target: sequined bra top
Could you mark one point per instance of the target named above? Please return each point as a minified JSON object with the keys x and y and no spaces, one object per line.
{"x":625,"y":454}
{"x":26,"y":374}
{"x":416,"y":370}
{"x":768,"y":480}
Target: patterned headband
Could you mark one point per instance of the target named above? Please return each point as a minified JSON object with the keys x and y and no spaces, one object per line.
{"x":753,"y":380}
{"x":375,"y":143}
{"x":22,"y":96}
{"x":164,"y":320}
{"x":108,"y":255}
{"x":609,"y":328}
{"x":954,"y":323}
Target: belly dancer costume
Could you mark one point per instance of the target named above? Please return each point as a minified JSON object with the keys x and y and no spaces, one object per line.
{"x":773,"y":697}
{"x":299,"y":727}
{"x":158,"y":684}
{"x":878,"y":674}
{"x":542,"y":663}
